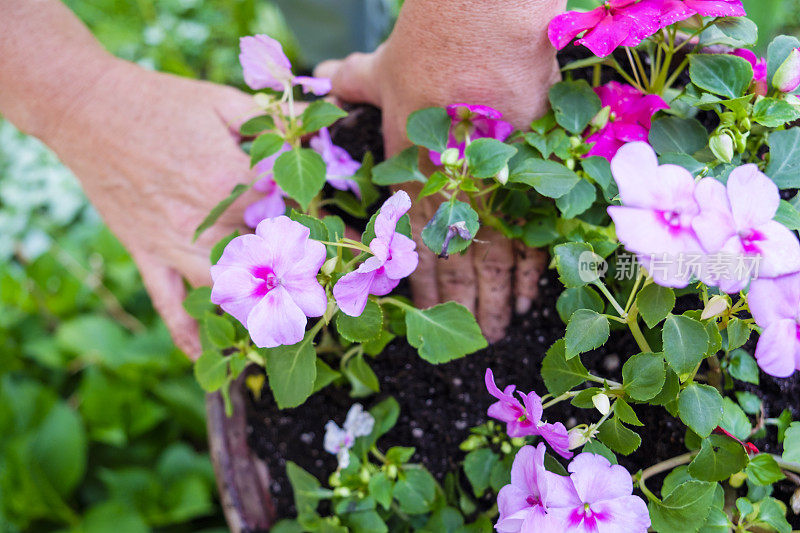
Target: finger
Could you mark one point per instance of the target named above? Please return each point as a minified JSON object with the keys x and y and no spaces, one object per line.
{"x":166,"y":290}
{"x":530,"y":264}
{"x":352,"y":78}
{"x":493,"y":257}
{"x":235,"y":108}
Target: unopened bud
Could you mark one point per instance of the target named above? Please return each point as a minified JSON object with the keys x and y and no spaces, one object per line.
{"x":570,"y":163}
{"x":601,"y":403}
{"x":721,"y":145}
{"x":450,"y":157}
{"x":473,"y":442}
{"x":737,"y":479}
{"x":263,"y":100}
{"x":580,"y":435}
{"x":502,"y":176}
{"x":787,"y":77}
{"x":794,"y":502}
{"x":727,"y":118}
{"x":329,"y":266}
{"x":363,"y":475}
{"x":335,"y":479}
{"x":744,"y":124}
{"x":716,"y":306}
{"x":341,"y":492}
{"x":505,"y":447}
{"x":391,"y":471}
{"x":600,"y":120}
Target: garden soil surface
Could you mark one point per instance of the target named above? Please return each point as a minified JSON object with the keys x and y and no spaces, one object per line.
{"x":439,"y":404}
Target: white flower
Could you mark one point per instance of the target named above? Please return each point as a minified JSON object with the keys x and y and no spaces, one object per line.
{"x":339,"y":441}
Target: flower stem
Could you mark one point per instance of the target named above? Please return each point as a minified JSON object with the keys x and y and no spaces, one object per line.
{"x":633,"y":325}
{"x":600,"y":285}
{"x":663,"y":466}
{"x":566,"y":396}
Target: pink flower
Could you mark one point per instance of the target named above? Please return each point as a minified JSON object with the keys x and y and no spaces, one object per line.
{"x":268,"y":281}
{"x":267,"y":67}
{"x":340,"y":166}
{"x":599,"y":498}
{"x":523,"y":504}
{"x":272,"y":204}
{"x":629,"y":118}
{"x":615,"y":23}
{"x":525,"y":418}
{"x":473,"y":122}
{"x":775,"y":306}
{"x":716,"y":8}
{"x":787,"y":77}
{"x":655,"y":219}
{"x":736,"y":223}
{"x":759,"y":65}
{"x":393,"y":259}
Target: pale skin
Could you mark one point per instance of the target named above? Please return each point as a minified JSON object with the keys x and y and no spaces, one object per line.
{"x":156,"y":152}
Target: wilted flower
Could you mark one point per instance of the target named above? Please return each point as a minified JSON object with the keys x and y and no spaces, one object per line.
{"x":272,"y":204}
{"x":265,"y":66}
{"x":339,"y":441}
{"x":629,"y":117}
{"x":340,"y":167}
{"x":394,"y":257}
{"x":268,"y":281}
{"x":759,"y":65}
{"x":787,"y":77}
{"x":775,"y":306}
{"x":470,"y":122}
{"x":525,"y":418}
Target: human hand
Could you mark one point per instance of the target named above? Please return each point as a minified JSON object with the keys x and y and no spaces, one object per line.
{"x":478,"y":52}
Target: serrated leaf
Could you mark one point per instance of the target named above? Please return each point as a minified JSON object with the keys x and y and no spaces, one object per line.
{"x":743,"y":366}
{"x":435,"y":232}
{"x":685,"y":342}
{"x":586,"y":330}
{"x":618,"y":437}
{"x":643,"y":376}
{"x":560,"y":374}
{"x":264,"y":146}
{"x":763,"y":470}
{"x":429,"y":128}
{"x":784,"y":158}
{"x":685,"y":508}
{"x":720,"y":457}
{"x":548,"y":178}
{"x":401,"y":168}
{"x":220,"y":208}
{"x":211,"y":370}
{"x":722,"y":74}
{"x":301,"y":174}
{"x":574,"y":104}
{"x":486,"y":157}
{"x":219,"y":330}
{"x":256,"y":125}
{"x":655,"y":303}
{"x":700,"y":408}
{"x":292,"y":372}
{"x":791,"y":443}
{"x":362,"y":328}
{"x":320,"y":114}
{"x":443,"y":332}
{"x":679,"y":135}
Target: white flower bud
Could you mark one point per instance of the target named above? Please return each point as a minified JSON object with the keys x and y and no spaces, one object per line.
{"x":580,"y":435}
{"x":502,"y":176}
{"x":600,"y":120}
{"x":601,"y":403}
{"x":722,"y":146}
{"x":787,"y":77}
{"x":450,"y":157}
{"x":329,"y":266}
{"x":794,"y":502}
{"x":263,"y":100}
{"x":716,"y":306}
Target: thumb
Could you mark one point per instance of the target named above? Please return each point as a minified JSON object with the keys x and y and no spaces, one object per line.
{"x":166,"y":290}
{"x":352,"y":78}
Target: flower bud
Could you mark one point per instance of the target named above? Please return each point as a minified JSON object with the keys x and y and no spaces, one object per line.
{"x":505,"y":447}
{"x":450,"y":157}
{"x":787,"y":77}
{"x":329,"y":266}
{"x":580,"y":435}
{"x":502,"y":176}
{"x":737,"y":479}
{"x":602,"y":403}
{"x":744,"y":124}
{"x":473,"y":442}
{"x":600,"y":120}
{"x":263,"y":100}
{"x":716,"y":306}
{"x":794,"y":502}
{"x":341,"y":492}
{"x":721,"y":145}
{"x":570,"y":163}
{"x":391,"y":471}
{"x":363,"y":475}
{"x":727,"y":118}
{"x":335,"y":479}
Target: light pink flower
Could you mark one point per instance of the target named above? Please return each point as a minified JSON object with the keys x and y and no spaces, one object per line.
{"x":272,"y":204}
{"x":629,"y":118}
{"x":475,"y":122}
{"x":599,"y":499}
{"x":268,"y":281}
{"x":736,"y":223}
{"x":394,"y":257}
{"x":759,"y":65}
{"x":340,"y":167}
{"x":525,"y":418}
{"x":775,"y":306}
{"x":787,"y":77}
{"x":655,"y":219}
{"x":265,"y":66}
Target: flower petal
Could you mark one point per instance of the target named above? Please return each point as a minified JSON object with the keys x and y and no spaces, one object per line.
{"x":771,"y":300}
{"x":271,"y":205}
{"x":776,"y":348}
{"x":264,"y":64}
{"x":566,"y":26}
{"x":352,"y":291}
{"x":635,"y":168}
{"x":276,"y":320}
{"x":608,"y":34}
{"x":714,"y":224}
{"x":627,"y":514}
{"x":404,"y":259}
{"x":596,"y":479}
{"x":235,"y":291}
{"x":754,"y":198}
{"x":779,"y":250}
{"x":285,"y":242}
{"x":318,"y":86}
{"x":390,"y":213}
{"x":245,"y":251}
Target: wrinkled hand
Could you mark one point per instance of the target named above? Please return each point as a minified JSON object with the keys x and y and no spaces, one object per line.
{"x":502,"y":59}
{"x":156,"y":154}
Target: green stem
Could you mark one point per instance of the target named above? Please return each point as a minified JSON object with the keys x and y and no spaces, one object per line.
{"x":639,"y":278}
{"x":397,"y":303}
{"x":663,"y":466}
{"x":633,"y":324}
{"x":600,"y":285}
{"x":567,"y":395}
{"x":378,"y":455}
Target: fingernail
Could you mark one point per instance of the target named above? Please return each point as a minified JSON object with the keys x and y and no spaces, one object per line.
{"x":523,"y":304}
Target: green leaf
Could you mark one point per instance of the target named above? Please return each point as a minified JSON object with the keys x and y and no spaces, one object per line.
{"x":738,"y":333}
{"x":791,"y":443}
{"x":264,"y":146}
{"x":685,"y":508}
{"x":743,"y":367}
{"x":305,"y":488}
{"x":619,"y":438}
{"x":777,"y":53}
{"x":443,"y":332}
{"x":325,"y":375}
{"x":773,"y":514}
{"x":586,"y":331}
{"x":317,"y":229}
{"x":771,"y":112}
{"x":722,"y":74}
{"x":365,"y":522}
{"x":750,"y":403}
{"x":539,"y":231}
{"x":574,"y":104}
{"x":435,"y":232}
{"x":435,"y":183}
{"x":788,"y":215}
{"x":361,"y":376}
{"x":59,"y":446}
{"x":784,"y":158}
{"x":598,"y":448}
{"x":625,"y":413}
{"x":548,"y":178}
{"x":643,"y":376}
{"x":198,"y":302}
{"x":578,"y":200}
{"x":734,"y":421}
{"x":685,"y":342}
{"x":220,"y":208}
{"x":737,"y":32}
{"x":575,"y":264}
{"x":320,"y":114}
{"x":300,"y":172}
{"x":669,"y":392}
{"x":380,"y":488}
{"x":219,"y":248}
{"x":292,"y":371}
{"x":655,"y":303}
{"x":763,"y":470}
{"x":486,"y":157}
{"x":720,"y":457}
{"x":429,"y":128}
{"x":256,"y":125}
{"x":415,"y":492}
{"x":219,"y":330}
{"x":444,"y":520}
{"x":570,"y":300}
{"x":560,"y":374}
{"x":478,"y":465}
{"x":401,"y":168}
{"x":363,"y":328}
{"x":211,"y":370}
{"x":700,"y":408}
{"x":681,"y":135}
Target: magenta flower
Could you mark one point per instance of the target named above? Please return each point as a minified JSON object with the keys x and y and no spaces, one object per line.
{"x":615,"y":23}
{"x":394,"y":257}
{"x":267,"y":67}
{"x":599,"y":498}
{"x":470,"y":122}
{"x":268,"y":281}
{"x":775,"y":306}
{"x":272,"y":204}
{"x":629,"y":117}
{"x":736,"y":223}
{"x":716,"y":8}
{"x":525,"y":418}
{"x":340,"y":167}
{"x":759,"y":65}
{"x":523,"y":504}
{"x":787,"y":77}
{"x":655,"y":218}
